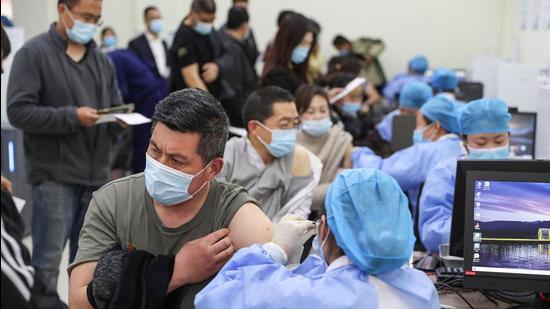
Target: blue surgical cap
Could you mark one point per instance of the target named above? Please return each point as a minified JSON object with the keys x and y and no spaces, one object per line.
{"x":441,"y":108}
{"x":369,"y":216}
{"x":419,"y":64}
{"x":414,"y":95}
{"x":484,"y":116}
{"x":444,"y":79}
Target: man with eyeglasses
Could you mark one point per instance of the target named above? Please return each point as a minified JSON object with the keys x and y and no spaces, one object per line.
{"x":58,"y":81}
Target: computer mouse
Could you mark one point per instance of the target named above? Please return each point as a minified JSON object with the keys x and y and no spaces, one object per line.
{"x":428,"y":263}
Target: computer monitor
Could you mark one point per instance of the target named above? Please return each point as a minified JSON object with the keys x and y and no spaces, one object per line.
{"x":469,"y":91}
{"x":506,"y":224}
{"x":523,"y":128}
{"x":507,"y":231}
{"x":402,"y":131}
{"x":456,"y":243}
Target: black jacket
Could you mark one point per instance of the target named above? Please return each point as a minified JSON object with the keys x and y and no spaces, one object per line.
{"x":141,"y":47}
{"x":239,"y":74}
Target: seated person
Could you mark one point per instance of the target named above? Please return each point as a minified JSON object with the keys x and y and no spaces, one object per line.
{"x":278,"y":173}
{"x":416,"y":70}
{"x":435,"y":140}
{"x":328,"y":141}
{"x":444,"y":82}
{"x":411,"y":99}
{"x":352,"y":110}
{"x":364,"y":240}
{"x":486,"y":135}
{"x":176,"y":207}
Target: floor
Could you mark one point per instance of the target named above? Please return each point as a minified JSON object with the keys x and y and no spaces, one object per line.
{"x":63,"y":281}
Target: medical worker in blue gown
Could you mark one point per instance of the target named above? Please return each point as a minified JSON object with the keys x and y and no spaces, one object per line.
{"x":445,"y":82}
{"x":485,"y":130}
{"x":435,"y":140}
{"x":365,"y":240}
{"x":415,"y":73}
{"x":411,"y":99}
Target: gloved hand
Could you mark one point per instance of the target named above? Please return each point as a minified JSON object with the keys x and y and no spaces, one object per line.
{"x":291,"y":233}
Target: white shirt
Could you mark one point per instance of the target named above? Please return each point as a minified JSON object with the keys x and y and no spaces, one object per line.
{"x":159,"y":53}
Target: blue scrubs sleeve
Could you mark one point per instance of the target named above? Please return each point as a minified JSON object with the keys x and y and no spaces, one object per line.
{"x":252,"y":280}
{"x":436,"y":205}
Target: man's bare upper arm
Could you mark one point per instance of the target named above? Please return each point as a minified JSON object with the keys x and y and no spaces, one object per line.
{"x":79,"y":278}
{"x":250,"y":226}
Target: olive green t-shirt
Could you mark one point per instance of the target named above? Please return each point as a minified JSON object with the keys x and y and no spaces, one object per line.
{"x":122,"y":211}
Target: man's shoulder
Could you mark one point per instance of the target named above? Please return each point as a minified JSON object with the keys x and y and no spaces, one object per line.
{"x":133,"y":184}
{"x":301,"y":164}
{"x":38,"y":44}
{"x":137,"y":39}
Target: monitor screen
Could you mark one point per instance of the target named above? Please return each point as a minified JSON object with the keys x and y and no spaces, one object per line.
{"x":507,"y":228}
{"x":523,"y":127}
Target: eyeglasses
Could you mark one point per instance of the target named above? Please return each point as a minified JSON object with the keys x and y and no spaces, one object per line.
{"x":86,"y":17}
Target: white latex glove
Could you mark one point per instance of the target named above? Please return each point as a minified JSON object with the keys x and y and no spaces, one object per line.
{"x":291,"y":233}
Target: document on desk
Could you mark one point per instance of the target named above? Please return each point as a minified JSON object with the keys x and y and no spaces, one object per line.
{"x":349,"y":88}
{"x":131,"y":119}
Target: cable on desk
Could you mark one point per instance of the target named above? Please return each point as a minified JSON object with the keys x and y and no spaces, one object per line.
{"x":456,"y":292}
{"x":488,"y":297}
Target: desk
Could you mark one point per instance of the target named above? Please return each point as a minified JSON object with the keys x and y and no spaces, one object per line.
{"x":478,"y":300}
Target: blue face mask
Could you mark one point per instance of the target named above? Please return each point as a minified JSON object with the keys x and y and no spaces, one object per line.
{"x":282,"y":141}
{"x":167,"y":185}
{"x":319,"y":246}
{"x":351,"y":108}
{"x":497,"y":153}
{"x":418,"y":135}
{"x":299,"y":54}
{"x":109,"y":41}
{"x":317,"y":128}
{"x":344,"y":52}
{"x":81,"y":32}
{"x":203,"y":28}
{"x":157,"y":25}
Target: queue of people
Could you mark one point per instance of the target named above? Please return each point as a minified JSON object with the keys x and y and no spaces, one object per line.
{"x":201,"y":218}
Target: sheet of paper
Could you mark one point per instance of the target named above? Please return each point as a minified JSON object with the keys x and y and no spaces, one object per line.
{"x":349,"y":88}
{"x":19,"y":203}
{"x":131,"y":119}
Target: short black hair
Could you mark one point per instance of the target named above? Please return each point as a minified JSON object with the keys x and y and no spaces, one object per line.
{"x":194,"y":110}
{"x":236,"y":17}
{"x":6,"y":46}
{"x":69,"y":3}
{"x":340,"y":40}
{"x":259,"y":105}
{"x":204,"y":6}
{"x":149,"y":9}
{"x":235,"y":1}
{"x":282,"y":15}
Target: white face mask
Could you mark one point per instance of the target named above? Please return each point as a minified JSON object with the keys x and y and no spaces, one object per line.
{"x":167,"y":185}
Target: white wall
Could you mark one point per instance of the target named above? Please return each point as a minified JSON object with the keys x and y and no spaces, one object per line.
{"x":526,"y":46}
{"x":449,"y":32}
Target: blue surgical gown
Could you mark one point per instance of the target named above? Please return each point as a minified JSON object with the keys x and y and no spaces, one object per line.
{"x":384,"y":128}
{"x":252,"y":280}
{"x":436,"y":205}
{"x":396,"y":84}
{"x":411,"y":165}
